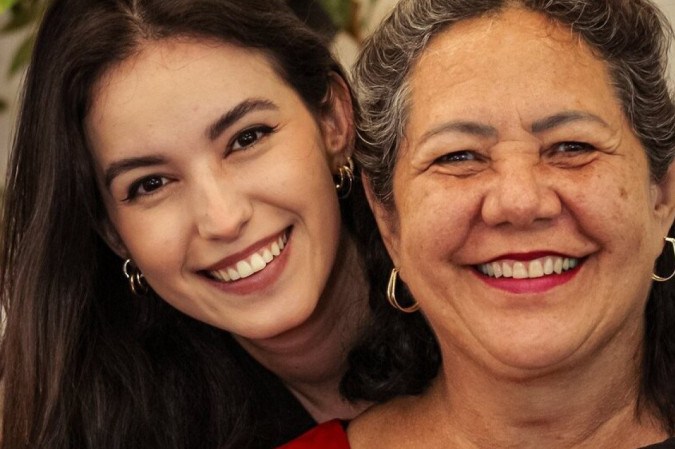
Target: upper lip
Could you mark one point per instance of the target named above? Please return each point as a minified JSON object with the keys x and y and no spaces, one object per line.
{"x":530,"y":255}
{"x":245,"y":253}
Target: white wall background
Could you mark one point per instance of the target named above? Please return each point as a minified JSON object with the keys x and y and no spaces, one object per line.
{"x":9,"y":87}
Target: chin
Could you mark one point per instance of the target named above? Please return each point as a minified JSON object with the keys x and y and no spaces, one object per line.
{"x":523,"y":360}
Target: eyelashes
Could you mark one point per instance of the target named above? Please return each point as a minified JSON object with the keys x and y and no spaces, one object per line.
{"x":145,"y":186}
{"x":250,"y":137}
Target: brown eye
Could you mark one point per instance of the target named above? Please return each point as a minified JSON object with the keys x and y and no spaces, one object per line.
{"x":145,"y":186}
{"x":572,"y":147}
{"x":250,"y":137}
{"x":457,"y":157}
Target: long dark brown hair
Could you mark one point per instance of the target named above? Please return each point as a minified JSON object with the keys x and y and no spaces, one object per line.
{"x":84,"y":363}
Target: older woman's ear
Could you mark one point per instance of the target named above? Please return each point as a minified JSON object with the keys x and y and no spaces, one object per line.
{"x":663,"y":199}
{"x":386,"y":218}
{"x":337,"y":122}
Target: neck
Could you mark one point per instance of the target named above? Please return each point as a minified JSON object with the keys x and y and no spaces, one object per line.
{"x":585,"y":404}
{"x":588,"y":404}
{"x":311,"y":358}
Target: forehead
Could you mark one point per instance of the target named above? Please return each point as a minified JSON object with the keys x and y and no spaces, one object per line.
{"x":171,"y":90}
{"x":171,"y":66}
{"x":517,"y":61}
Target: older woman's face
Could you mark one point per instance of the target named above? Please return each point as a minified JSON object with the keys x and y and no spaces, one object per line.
{"x":524,"y":219}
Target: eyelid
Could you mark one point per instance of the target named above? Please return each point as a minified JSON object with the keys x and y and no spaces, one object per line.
{"x":132,"y":190}
{"x":264,"y":129}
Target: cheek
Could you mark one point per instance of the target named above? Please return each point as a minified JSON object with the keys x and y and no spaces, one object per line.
{"x":434,"y":219}
{"x":154,"y":239}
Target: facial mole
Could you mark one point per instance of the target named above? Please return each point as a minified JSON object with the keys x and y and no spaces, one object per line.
{"x":623,"y":193}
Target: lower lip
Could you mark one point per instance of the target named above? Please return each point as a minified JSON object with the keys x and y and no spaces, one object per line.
{"x":262,"y":279}
{"x":535,"y":285}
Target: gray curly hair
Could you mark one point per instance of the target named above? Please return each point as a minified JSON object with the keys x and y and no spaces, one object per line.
{"x":631,"y":36}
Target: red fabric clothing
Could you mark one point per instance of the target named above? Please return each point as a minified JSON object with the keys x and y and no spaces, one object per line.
{"x":329,"y":435}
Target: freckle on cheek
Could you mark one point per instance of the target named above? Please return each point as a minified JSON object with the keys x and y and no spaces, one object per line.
{"x":623,"y":193}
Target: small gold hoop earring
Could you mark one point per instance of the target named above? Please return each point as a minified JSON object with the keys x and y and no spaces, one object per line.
{"x":136,"y":279}
{"x":346,"y":174}
{"x":658,"y":278}
{"x":391,"y":294}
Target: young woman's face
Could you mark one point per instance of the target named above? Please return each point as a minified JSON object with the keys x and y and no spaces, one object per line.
{"x":525,"y":224}
{"x":217,"y":182}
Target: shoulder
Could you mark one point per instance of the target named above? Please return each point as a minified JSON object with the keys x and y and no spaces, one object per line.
{"x":329,"y":435}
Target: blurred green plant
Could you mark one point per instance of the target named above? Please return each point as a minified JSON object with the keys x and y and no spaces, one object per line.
{"x":339,"y":11}
{"x":20,"y":15}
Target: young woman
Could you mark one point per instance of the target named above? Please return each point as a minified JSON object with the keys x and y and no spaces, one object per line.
{"x":175,"y":271}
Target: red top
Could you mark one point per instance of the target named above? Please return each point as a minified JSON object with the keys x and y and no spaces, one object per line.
{"x":329,"y":435}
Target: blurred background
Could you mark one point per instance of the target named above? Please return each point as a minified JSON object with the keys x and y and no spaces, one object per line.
{"x":344,"y":22}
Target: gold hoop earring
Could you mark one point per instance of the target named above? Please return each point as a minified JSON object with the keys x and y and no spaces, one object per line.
{"x":391,"y":294}
{"x":658,"y":278}
{"x":136,"y":279}
{"x":346,"y":174}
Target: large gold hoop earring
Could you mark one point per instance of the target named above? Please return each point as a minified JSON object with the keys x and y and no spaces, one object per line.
{"x":391,"y":294}
{"x":655,"y":276}
{"x":346,"y":179}
{"x":136,"y":279}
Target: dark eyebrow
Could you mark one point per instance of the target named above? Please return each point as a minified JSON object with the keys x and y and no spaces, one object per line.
{"x":564,"y":118}
{"x":466,"y":127}
{"x":118,"y":167}
{"x":237,"y":112}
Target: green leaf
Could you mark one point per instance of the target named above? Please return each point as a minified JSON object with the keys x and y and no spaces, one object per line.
{"x":3,"y":105}
{"x":22,"y":55}
{"x":6,"y":4}
{"x":23,"y":13}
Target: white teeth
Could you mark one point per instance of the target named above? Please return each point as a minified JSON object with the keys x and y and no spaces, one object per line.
{"x":548,"y":266}
{"x":234,"y":274}
{"x":507,"y":271}
{"x":275,"y":249}
{"x":253,"y":264}
{"x":532,"y":269}
{"x":519,"y":271}
{"x":536,"y":269}
{"x":244,"y":269}
{"x":257,"y":262}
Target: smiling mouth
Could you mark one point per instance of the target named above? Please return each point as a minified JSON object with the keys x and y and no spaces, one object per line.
{"x":253,"y":263}
{"x":532,"y":269}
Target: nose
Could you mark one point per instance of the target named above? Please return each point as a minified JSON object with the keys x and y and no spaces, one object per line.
{"x":221,"y":209}
{"x":520,"y":195}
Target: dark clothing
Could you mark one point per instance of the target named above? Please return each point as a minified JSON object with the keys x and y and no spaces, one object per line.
{"x":668,"y":444}
{"x":279,"y":415}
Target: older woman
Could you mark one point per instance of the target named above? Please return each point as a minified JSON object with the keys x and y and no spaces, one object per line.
{"x":518,"y":156}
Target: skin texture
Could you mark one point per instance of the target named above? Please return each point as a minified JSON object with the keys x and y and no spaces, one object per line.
{"x":207,"y":196}
{"x":516,"y":148}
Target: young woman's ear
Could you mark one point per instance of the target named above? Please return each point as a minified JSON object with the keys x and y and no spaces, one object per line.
{"x":337,"y":122}
{"x":110,"y":236}
{"x":386,"y":218}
